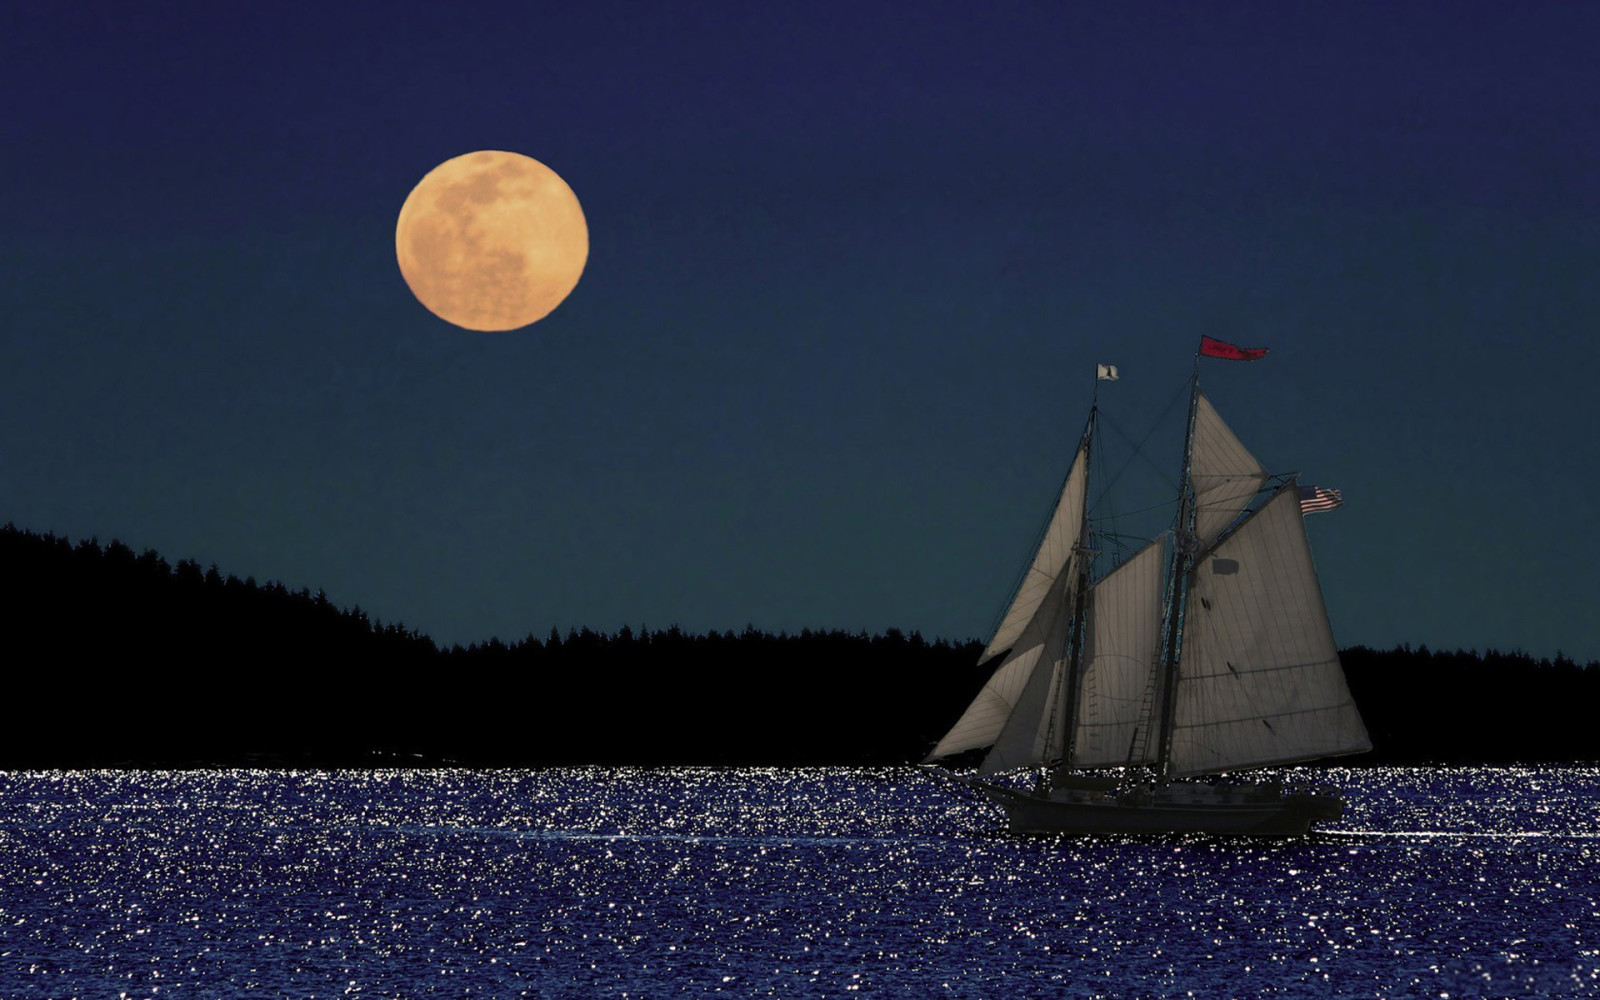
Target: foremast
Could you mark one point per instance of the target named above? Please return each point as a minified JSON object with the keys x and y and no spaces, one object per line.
{"x":1064,"y":717}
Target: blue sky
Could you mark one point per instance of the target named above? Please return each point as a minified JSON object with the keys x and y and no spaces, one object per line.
{"x":851,"y":267}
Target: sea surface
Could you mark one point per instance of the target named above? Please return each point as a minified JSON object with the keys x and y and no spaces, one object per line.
{"x":583,"y":882}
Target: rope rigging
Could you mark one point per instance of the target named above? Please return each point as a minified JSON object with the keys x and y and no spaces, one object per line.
{"x":1106,"y":524}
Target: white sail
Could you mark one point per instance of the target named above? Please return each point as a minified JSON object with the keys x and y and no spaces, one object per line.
{"x":981,"y":724}
{"x":1259,"y":680}
{"x":1119,"y":662}
{"x":1050,"y":562}
{"x":1225,"y":476}
{"x":1031,"y":734}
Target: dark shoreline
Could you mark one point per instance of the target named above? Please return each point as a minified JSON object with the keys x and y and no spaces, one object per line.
{"x":126,"y":661}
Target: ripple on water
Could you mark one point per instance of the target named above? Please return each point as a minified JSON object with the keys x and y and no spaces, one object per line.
{"x":783,"y":882}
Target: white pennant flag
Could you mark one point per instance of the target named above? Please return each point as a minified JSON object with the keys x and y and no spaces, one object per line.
{"x":1105,"y":373}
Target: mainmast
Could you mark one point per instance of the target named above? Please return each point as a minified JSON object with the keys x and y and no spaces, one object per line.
{"x":1177,"y":584}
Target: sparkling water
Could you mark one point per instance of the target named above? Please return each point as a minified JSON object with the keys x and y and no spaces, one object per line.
{"x":583,"y":882}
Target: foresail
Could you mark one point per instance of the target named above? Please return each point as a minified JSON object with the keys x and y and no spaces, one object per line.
{"x":1029,"y":737}
{"x":1225,"y":476}
{"x":1049,"y":563}
{"x":1259,"y":681}
{"x":981,"y":724}
{"x":1119,"y":662}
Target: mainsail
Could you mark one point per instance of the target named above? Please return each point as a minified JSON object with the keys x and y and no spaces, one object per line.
{"x":1259,"y":681}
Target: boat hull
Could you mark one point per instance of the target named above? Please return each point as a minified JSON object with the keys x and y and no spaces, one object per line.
{"x":1157,"y":813}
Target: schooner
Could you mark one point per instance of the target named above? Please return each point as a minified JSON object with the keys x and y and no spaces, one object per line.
{"x":1207,"y":652}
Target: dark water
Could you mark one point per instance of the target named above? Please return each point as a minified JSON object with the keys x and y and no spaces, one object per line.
{"x":611,"y":882}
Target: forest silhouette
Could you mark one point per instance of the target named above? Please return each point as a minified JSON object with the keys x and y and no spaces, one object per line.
{"x":122,"y":659}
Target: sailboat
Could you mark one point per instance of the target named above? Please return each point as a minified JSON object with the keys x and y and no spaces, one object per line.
{"x":1137,"y":697}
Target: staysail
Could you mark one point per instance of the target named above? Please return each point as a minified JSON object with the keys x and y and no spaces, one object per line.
{"x":1259,"y":681}
{"x":1119,"y":661}
{"x":1225,"y":476}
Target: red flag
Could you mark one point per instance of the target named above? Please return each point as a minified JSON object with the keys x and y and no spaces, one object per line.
{"x":1213,"y":348}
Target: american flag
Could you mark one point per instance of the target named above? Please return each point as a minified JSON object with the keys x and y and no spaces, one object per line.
{"x":1315,"y":498}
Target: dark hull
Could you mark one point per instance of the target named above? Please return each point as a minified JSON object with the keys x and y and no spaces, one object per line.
{"x":1156,"y":813}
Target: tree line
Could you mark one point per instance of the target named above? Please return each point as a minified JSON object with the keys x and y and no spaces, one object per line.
{"x":124,"y":659}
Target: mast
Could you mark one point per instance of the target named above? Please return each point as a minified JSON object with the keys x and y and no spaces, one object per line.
{"x":1177,"y":589}
{"x":1061,"y":717}
{"x":1067,"y":715}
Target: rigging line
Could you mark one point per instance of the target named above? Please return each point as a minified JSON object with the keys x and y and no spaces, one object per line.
{"x":1126,"y":536}
{"x":1129,"y":513}
{"x":1121,"y":547}
{"x":1110,"y":522}
{"x":1138,"y":449}
{"x":1138,"y":452}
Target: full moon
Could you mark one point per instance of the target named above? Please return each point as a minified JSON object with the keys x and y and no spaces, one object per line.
{"x":491,"y":240}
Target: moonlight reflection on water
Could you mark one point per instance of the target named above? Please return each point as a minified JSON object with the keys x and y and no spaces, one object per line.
{"x":577,"y":881}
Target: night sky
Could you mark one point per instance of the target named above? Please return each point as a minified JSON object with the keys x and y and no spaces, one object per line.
{"x":851,"y":268}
